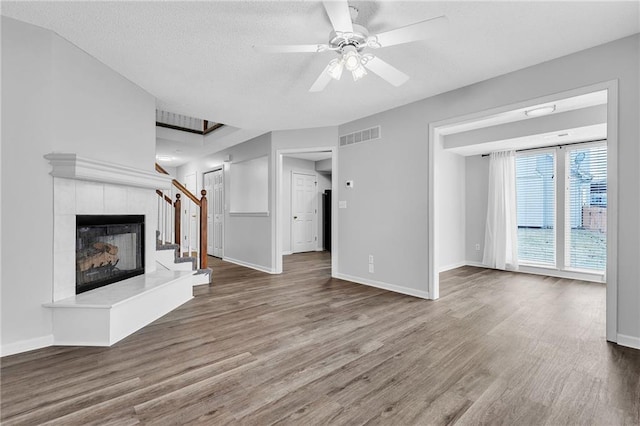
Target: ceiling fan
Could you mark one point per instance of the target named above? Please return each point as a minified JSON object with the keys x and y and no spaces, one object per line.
{"x":350,"y":41}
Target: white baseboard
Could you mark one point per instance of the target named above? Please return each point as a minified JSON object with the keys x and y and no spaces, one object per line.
{"x":26,"y":345}
{"x":249,"y":265}
{"x":474,"y":263}
{"x":385,"y":286}
{"x":452,"y":266}
{"x":628,"y":341}
{"x":287,"y":253}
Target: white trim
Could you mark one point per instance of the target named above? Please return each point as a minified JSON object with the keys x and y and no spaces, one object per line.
{"x":571,"y":275}
{"x":385,"y":286}
{"x":453,"y":266}
{"x":277,"y":203}
{"x":287,"y":252}
{"x":249,"y":265}
{"x":628,"y":341}
{"x":612,"y":187}
{"x":476,"y":264}
{"x":26,"y":345}
{"x":612,"y":210}
{"x":249,"y":214}
{"x":71,"y":166}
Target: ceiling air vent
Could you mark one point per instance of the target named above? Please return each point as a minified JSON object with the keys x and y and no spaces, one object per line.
{"x":361,"y":136}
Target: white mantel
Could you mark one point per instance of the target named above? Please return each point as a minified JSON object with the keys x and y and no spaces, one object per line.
{"x":72,"y":166}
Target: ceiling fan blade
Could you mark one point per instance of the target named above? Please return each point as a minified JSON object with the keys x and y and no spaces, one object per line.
{"x":418,"y":31}
{"x":292,"y":48}
{"x":339,"y":15}
{"x":322,"y":81}
{"x":386,"y":71}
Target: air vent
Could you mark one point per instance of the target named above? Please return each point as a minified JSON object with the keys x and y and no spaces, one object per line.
{"x":361,"y":136}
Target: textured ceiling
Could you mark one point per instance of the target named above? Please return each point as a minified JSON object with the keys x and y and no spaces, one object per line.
{"x":197,"y":57}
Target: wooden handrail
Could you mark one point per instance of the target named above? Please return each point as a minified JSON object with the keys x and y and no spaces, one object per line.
{"x":166,"y":198}
{"x":186,"y":192}
{"x":178,"y":185}
{"x":159,"y":169}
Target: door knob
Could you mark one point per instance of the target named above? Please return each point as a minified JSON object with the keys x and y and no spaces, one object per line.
{"x":295,"y":217}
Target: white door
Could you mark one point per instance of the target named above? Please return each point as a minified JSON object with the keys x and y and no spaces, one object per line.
{"x":304,"y":204}
{"x":208,"y":186}
{"x":214,"y":185}
{"x":191,"y":212}
{"x":218,"y":213}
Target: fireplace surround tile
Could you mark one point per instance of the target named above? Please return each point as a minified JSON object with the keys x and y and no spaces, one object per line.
{"x":89,"y":198}
{"x":115,"y":199}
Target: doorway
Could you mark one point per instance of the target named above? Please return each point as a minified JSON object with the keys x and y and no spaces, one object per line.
{"x":214,"y":185}
{"x":305,"y":179}
{"x":438,"y":220}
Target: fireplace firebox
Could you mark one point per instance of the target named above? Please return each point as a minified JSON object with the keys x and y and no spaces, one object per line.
{"x":109,"y":248}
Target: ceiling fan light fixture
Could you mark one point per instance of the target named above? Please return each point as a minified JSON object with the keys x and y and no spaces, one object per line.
{"x":358,"y":73}
{"x":335,"y":69}
{"x":351,"y":58}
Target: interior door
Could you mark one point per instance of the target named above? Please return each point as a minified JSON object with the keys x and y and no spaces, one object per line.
{"x":217,"y":208}
{"x":191,"y":212}
{"x":304,"y":205}
{"x":208,"y":186}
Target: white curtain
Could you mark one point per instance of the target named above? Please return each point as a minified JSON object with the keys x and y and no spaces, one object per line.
{"x":501,"y":232}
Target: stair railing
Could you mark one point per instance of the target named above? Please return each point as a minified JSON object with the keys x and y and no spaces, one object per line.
{"x":170,"y":219}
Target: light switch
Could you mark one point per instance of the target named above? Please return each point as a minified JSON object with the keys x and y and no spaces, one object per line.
{"x":342,"y":204}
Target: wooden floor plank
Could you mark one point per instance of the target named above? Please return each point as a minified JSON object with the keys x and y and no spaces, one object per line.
{"x":304,"y":348}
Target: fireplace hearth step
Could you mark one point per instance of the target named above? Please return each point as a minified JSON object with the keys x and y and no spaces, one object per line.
{"x":103,"y":316}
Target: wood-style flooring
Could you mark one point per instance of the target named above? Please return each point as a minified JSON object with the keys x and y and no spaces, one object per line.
{"x":303,"y":348}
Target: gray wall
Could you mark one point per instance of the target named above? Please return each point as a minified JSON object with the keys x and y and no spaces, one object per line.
{"x":247,"y":239}
{"x":55,"y":98}
{"x":476,"y":199}
{"x":387,"y":210}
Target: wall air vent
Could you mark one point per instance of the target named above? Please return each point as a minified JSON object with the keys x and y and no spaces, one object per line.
{"x":360,"y":136}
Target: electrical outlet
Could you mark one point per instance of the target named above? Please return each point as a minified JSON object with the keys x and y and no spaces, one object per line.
{"x":477,"y":247}
{"x":371,"y":268}
{"x":370,"y":258}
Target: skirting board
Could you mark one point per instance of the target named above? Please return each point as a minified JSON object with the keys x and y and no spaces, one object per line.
{"x":385,"y":286}
{"x":26,"y":345}
{"x":248,"y":265}
{"x":628,"y":341}
{"x":453,"y":266}
{"x":287,"y":253}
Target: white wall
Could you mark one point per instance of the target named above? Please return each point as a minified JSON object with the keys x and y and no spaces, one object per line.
{"x":55,"y":98}
{"x":387,"y":209}
{"x":476,"y":199}
{"x":247,"y":238}
{"x":450,"y":203}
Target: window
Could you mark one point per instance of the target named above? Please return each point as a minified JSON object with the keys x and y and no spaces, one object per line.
{"x":562,"y":207}
{"x":536,"y":206}
{"x":586,"y":230}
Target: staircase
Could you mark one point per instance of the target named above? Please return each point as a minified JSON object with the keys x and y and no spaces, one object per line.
{"x":176,"y":251}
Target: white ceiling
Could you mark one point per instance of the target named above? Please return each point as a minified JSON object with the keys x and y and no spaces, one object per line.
{"x":197,"y":57}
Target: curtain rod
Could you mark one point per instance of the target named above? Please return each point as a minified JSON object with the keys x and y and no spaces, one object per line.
{"x":554,"y":146}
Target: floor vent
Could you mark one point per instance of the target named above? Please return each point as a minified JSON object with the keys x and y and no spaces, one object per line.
{"x":361,"y":136}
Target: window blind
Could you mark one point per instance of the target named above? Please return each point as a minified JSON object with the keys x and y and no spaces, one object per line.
{"x":586,"y":224}
{"x":536,"y":206}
